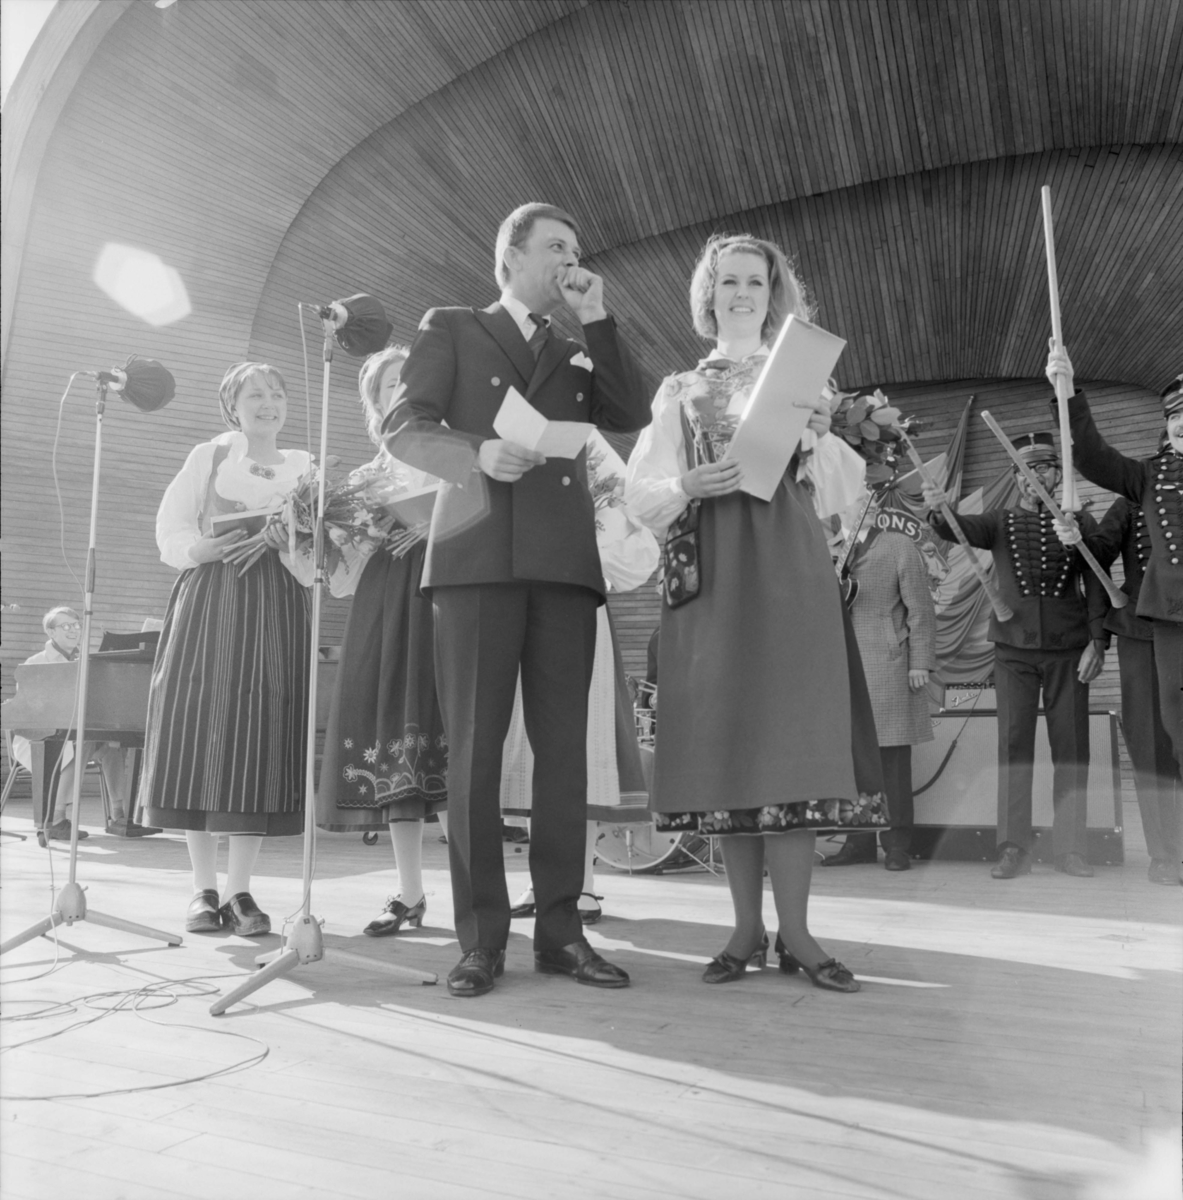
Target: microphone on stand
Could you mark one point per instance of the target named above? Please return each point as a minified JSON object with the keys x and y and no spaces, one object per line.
{"x":360,"y":324}
{"x":143,"y":382}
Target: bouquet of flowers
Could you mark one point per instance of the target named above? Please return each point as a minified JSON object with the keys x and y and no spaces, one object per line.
{"x":607,"y":488}
{"x":873,"y":428}
{"x":359,"y":511}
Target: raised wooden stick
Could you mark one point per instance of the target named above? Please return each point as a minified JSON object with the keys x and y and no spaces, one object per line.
{"x":1001,"y":609}
{"x":1069,"y":501}
{"x":1117,"y":597}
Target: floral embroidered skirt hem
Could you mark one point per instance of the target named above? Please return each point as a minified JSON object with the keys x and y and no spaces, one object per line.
{"x":386,"y":757}
{"x":868,"y":812}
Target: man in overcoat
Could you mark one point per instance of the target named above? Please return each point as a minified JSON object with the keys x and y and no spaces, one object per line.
{"x":895,"y":623}
{"x":514,"y":574}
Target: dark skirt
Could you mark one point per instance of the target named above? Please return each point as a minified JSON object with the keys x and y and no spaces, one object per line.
{"x":766,"y":724}
{"x":386,"y":757}
{"x":227,"y":710}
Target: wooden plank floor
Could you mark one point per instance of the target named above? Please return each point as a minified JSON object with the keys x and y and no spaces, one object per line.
{"x":1012,"y":1040}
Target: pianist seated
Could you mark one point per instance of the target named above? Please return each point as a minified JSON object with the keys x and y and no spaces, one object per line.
{"x":64,"y":629}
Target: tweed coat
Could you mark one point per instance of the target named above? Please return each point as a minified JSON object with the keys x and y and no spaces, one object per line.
{"x":895,"y":624}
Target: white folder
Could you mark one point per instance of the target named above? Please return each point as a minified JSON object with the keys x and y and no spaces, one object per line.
{"x":770,"y":426}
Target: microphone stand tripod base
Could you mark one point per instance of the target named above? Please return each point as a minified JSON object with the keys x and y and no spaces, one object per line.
{"x":304,"y":944}
{"x":69,"y":907}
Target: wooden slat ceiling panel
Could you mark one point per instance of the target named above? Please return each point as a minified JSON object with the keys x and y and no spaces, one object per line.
{"x":932,"y":275}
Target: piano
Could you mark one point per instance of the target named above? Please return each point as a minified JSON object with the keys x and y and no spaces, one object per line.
{"x":116,"y":707}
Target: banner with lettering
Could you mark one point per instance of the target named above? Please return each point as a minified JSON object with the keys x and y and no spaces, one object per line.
{"x":964,"y":655}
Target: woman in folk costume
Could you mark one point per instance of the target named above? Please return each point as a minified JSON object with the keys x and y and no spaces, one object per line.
{"x":628,"y":556}
{"x":895,"y":622}
{"x":386,"y":757}
{"x":224,"y":750}
{"x":766,"y":736}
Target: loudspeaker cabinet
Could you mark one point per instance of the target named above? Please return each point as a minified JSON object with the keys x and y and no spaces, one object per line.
{"x":955,"y":778}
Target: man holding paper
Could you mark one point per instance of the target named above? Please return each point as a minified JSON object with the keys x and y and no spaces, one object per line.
{"x":514,"y":573}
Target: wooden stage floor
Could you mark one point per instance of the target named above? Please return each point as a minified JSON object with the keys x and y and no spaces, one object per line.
{"x":1015,"y":1039}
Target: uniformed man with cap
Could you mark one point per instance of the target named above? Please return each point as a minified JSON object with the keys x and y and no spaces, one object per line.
{"x":1123,"y":531}
{"x":1155,"y":486}
{"x":1053,"y":644}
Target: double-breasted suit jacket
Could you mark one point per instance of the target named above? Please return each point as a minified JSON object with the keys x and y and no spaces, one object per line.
{"x":542,"y":527}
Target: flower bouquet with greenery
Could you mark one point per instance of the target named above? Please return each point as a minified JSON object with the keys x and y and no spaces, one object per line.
{"x":875,"y":430}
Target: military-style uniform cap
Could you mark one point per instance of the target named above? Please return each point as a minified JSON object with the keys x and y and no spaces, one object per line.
{"x":1037,"y":447}
{"x":1172,"y":396}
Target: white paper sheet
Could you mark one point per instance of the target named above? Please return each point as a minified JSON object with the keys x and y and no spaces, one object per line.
{"x":519,"y":421}
{"x":771,"y":424}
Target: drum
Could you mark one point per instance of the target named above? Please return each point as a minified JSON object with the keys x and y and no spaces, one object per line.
{"x":641,"y":850}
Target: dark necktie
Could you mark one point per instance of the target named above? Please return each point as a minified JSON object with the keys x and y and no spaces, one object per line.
{"x":539,"y":336}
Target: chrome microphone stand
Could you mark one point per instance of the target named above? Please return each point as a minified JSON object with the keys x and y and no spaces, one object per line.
{"x":304,"y":943}
{"x":70,"y":905}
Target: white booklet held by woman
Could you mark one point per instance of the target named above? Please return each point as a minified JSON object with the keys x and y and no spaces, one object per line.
{"x":770,"y":426}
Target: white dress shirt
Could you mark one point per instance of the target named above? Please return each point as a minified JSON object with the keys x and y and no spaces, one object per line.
{"x":520,"y":314}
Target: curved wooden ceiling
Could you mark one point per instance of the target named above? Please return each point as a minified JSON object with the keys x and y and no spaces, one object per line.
{"x":274,"y":151}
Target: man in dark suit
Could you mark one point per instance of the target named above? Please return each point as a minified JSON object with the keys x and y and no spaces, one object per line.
{"x":1054,"y":644}
{"x":514,"y":575}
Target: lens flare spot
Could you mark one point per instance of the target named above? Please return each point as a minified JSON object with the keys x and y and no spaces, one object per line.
{"x":142,"y":283}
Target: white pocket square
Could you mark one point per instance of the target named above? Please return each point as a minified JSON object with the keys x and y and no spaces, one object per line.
{"x":582,"y":360}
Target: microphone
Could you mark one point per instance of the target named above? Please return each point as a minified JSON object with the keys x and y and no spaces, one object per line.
{"x":143,"y":382}
{"x":360,"y":324}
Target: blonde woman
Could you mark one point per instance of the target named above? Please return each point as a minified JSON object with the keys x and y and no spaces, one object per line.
{"x":766,"y":736}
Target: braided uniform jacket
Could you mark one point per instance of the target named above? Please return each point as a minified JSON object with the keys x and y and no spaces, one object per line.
{"x":1058,"y":603}
{"x":1156,"y":485}
{"x":1123,"y":532}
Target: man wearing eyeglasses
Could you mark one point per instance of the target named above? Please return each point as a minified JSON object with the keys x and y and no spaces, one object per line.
{"x":64,"y":628}
{"x":1054,"y":644}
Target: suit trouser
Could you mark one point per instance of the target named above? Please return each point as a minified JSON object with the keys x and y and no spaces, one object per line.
{"x":1156,"y":774}
{"x":1019,"y":676}
{"x":483,"y":634}
{"x":1168,"y":661}
{"x":897,"y":783}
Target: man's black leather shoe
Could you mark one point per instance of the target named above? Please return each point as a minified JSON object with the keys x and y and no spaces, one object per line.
{"x":1162,"y":870}
{"x":1074,"y":864}
{"x":854,"y":852}
{"x":1011,"y":862}
{"x":897,"y":860}
{"x":473,"y":975}
{"x":582,"y":963}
